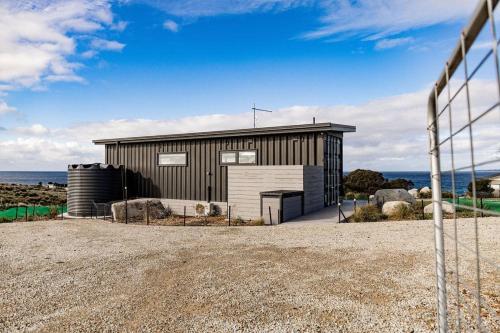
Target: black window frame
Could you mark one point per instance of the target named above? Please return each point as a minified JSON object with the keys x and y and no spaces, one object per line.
{"x":171,"y":153}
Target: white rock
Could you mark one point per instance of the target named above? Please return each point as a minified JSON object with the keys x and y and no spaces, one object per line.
{"x":425,"y":190}
{"x":390,"y":207}
{"x":447,"y":208}
{"x":413,"y":192}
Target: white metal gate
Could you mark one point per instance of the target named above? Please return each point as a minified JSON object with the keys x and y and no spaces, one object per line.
{"x":470,"y":83}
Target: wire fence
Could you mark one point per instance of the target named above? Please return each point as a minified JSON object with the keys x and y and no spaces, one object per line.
{"x":31,"y":212}
{"x":463,"y":119}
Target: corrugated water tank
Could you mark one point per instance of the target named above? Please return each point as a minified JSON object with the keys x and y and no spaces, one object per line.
{"x":89,"y":183}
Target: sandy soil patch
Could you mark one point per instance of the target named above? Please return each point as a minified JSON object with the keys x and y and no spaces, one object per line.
{"x":365,"y":277}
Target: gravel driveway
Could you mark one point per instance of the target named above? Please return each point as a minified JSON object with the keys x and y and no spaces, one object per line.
{"x":97,"y":276}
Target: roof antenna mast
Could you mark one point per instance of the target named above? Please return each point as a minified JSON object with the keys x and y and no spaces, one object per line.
{"x":256,"y":109}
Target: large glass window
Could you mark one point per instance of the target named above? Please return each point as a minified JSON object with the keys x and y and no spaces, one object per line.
{"x":247,"y":157}
{"x":172,"y":159}
{"x":228,"y":157}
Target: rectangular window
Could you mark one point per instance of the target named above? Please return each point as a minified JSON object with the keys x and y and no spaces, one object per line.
{"x":172,"y":159}
{"x":228,"y":157}
{"x":247,"y":157}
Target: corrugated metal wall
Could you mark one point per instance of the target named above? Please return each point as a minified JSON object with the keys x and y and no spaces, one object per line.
{"x":204,"y":178}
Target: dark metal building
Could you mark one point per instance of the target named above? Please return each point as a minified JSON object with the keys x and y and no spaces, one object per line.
{"x":193,"y":166}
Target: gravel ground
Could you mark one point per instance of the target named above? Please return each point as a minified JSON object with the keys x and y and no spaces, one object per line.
{"x":359,"y":277}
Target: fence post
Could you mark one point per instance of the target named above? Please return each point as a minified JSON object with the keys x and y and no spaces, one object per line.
{"x":147,"y":212}
{"x":229,"y":214}
{"x":26,"y":212}
{"x":34,"y":212}
{"x":279,"y":217}
{"x":270,"y":216}
{"x":481,"y":201}
{"x":62,"y":212}
{"x":126,"y":211}
{"x":423,"y":214}
{"x":184,"y":215}
{"x":434,"y":148}
{"x":339,"y":210}
{"x":354,"y":204}
{"x":91,"y":211}
{"x":17,"y":208}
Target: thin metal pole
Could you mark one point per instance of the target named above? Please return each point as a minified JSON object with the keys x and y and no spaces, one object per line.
{"x":17,"y":209}
{"x":270,"y":216}
{"x":147,"y":212}
{"x":184,"y":215}
{"x":229,"y":215}
{"x":339,"y":210}
{"x":473,"y":174}
{"x":423,"y":213}
{"x":455,"y":199}
{"x":26,"y":212}
{"x":126,"y":211}
{"x":438,"y":215}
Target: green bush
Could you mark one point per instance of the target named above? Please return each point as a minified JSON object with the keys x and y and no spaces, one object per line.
{"x":483,"y":188}
{"x":357,"y":196}
{"x":399,"y":183}
{"x":363,"y":181}
{"x":368,"y":213}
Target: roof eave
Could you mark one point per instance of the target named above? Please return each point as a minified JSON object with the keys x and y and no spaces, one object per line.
{"x":304,"y":128}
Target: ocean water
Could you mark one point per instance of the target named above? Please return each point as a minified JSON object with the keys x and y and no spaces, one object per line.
{"x":33,"y":177}
{"x":422,"y":178}
{"x":419,"y":178}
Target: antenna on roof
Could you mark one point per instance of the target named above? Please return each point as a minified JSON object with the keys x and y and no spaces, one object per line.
{"x":256,"y":109}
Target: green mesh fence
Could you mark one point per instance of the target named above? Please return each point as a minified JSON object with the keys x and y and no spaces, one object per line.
{"x":20,"y":212}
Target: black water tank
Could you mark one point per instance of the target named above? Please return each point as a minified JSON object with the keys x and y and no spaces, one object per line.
{"x":92,"y":182}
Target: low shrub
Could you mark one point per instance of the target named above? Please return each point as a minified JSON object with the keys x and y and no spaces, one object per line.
{"x":239,"y":220}
{"x":368,"y":213}
{"x":53,"y":212}
{"x":425,"y":195}
{"x":403,"y":212}
{"x":259,"y":221}
{"x":356,"y":195}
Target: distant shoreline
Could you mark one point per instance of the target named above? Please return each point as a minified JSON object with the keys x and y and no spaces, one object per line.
{"x":419,"y":178}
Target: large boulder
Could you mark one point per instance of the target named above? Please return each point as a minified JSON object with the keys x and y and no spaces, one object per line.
{"x":136,"y":210}
{"x":448,"y":208}
{"x":389,"y":208}
{"x":413,"y":192}
{"x":386,"y":195}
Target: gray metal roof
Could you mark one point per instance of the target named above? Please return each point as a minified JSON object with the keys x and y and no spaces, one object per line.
{"x":290,"y":129}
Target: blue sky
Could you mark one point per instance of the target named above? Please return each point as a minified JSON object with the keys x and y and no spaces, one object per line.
{"x":118,"y":68}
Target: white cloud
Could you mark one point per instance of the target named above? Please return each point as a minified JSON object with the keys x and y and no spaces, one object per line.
{"x":36,"y":130}
{"x":171,"y":25}
{"x":379,"y":18}
{"x":374,"y":19}
{"x":188,"y":8}
{"x":107,"y":45}
{"x":38,"y":38}
{"x":4,"y":108}
{"x":390,"y":135}
{"x":389,"y":43}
